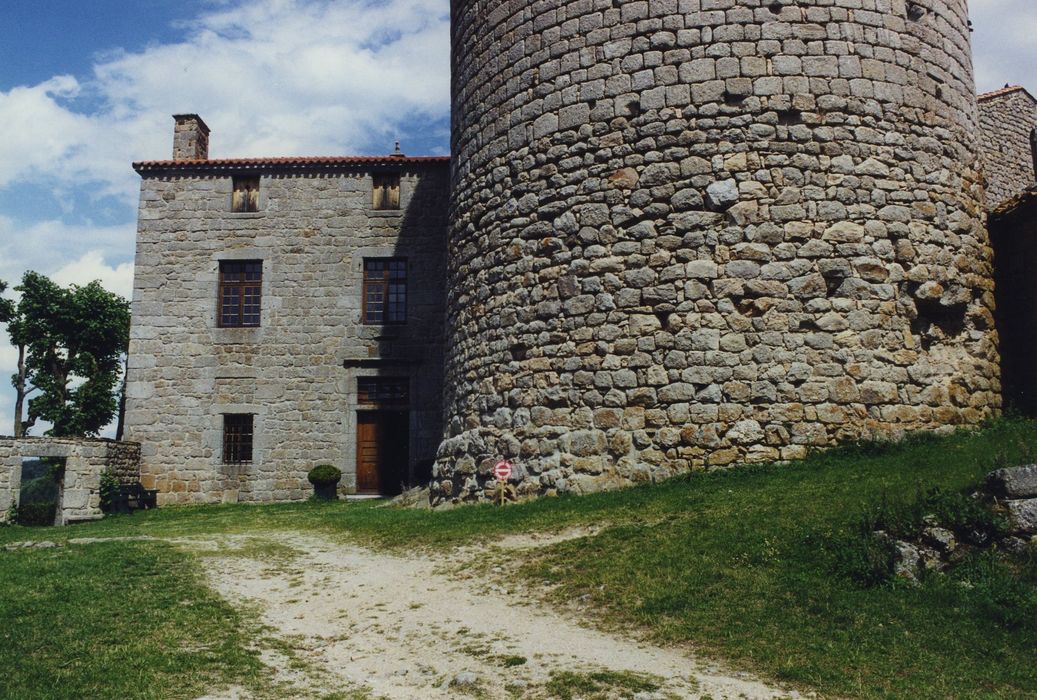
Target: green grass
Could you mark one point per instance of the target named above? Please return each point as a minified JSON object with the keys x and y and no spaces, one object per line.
{"x":116,"y":620}
{"x":741,"y":564}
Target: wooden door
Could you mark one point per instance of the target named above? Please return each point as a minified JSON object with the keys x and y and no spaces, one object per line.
{"x":382,"y":439}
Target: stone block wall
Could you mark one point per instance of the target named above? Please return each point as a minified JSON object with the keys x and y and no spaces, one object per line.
{"x":85,"y":459}
{"x":1007,"y":119}
{"x":297,"y":372}
{"x":691,"y":233}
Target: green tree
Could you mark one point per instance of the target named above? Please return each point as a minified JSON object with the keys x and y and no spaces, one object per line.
{"x":64,"y":337}
{"x":6,"y":305}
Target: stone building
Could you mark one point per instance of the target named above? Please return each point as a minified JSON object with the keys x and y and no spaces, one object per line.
{"x":1008,"y":139}
{"x":287,"y":312}
{"x":681,"y":234}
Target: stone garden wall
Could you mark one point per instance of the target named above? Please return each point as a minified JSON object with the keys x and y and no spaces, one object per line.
{"x":85,"y":459}
{"x":692,"y":233}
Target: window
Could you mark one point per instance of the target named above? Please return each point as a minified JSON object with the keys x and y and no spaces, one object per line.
{"x":240,"y":289}
{"x":386,"y":191}
{"x":237,"y":438}
{"x":246,"y":194}
{"x":383,"y":390}
{"x":385,"y":290}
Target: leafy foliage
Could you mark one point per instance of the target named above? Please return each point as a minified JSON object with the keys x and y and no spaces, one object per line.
{"x":324,"y":475}
{"x":6,"y":305}
{"x":79,"y":332}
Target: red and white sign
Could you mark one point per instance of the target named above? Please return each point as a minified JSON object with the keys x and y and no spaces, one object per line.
{"x":502,"y":470}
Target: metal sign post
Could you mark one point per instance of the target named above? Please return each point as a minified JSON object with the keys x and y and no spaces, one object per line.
{"x":502,"y":470}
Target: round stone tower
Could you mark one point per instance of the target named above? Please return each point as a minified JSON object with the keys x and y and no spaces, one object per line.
{"x":692,"y":233}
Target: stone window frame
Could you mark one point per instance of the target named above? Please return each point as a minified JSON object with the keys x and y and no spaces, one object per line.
{"x":244,"y":290}
{"x":238,"y":438}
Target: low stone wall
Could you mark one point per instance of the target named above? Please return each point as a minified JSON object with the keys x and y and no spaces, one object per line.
{"x":85,"y":459}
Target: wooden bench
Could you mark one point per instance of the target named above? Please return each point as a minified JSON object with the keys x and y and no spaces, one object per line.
{"x":130,"y":497}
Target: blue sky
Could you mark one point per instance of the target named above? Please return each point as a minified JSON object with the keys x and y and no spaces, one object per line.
{"x":87,"y":87}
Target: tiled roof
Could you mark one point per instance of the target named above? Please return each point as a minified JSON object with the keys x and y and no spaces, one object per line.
{"x":1006,"y":90}
{"x":288,"y":162}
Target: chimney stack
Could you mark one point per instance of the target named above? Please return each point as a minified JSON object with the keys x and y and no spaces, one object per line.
{"x":190,"y":138}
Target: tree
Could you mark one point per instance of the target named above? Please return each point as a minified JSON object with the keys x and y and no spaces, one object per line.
{"x":6,"y":305}
{"x":65,"y":337}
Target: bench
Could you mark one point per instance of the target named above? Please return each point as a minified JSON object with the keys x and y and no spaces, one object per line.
{"x":130,"y":497}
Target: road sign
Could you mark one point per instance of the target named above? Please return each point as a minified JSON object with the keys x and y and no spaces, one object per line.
{"x":502,"y":470}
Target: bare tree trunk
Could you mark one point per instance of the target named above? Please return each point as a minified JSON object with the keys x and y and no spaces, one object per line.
{"x":19,"y":394}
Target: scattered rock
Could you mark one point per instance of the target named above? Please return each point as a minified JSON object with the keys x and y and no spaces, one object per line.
{"x":1016,"y":482}
{"x":1023,"y":515}
{"x":941,"y":539}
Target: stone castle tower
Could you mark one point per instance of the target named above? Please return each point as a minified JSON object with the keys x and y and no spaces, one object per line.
{"x":689,"y":233}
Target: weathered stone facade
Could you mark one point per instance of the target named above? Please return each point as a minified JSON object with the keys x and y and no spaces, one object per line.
{"x":690,"y":233}
{"x":85,"y":459}
{"x":1007,"y":120}
{"x":297,"y":372}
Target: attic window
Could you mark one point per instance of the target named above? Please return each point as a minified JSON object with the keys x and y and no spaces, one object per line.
{"x":386,"y":191}
{"x":246,"y":194}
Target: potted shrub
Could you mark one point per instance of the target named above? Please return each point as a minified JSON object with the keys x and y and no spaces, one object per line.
{"x":325,"y":478}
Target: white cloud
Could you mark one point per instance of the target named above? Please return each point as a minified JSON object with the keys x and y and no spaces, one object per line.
{"x":92,"y":266}
{"x":271,"y":77}
{"x":50,"y":247}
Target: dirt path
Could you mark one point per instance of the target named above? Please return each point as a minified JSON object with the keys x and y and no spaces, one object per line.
{"x":350,"y":619}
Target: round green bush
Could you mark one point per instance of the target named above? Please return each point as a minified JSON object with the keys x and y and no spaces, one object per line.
{"x":324,"y":474}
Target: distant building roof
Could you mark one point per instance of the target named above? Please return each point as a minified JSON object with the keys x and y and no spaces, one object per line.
{"x":286,"y":162}
{"x":1006,"y":90}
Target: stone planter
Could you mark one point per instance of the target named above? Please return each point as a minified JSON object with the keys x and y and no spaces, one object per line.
{"x":326,"y":492}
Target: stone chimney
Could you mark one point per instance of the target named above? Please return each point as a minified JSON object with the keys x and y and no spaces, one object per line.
{"x":190,"y":138}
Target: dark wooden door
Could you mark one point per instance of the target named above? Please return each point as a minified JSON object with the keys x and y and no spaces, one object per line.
{"x":382,"y":439}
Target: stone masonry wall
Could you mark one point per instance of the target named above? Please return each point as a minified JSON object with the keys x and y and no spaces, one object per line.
{"x":1007,"y":118}
{"x":690,"y":233}
{"x":85,"y":459}
{"x":312,"y":232}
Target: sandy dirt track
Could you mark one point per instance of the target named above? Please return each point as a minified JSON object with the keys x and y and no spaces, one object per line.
{"x":411,"y":628}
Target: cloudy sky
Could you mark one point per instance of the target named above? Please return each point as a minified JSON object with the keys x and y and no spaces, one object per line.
{"x":88,"y":87}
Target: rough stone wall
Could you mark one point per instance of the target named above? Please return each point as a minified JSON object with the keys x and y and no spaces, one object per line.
{"x":1006,"y":120}
{"x":314,"y":228}
{"x":85,"y":459}
{"x":698,"y":232}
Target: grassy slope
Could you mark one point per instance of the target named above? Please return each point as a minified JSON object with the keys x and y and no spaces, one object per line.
{"x":733,"y":563}
{"x":115,"y":620}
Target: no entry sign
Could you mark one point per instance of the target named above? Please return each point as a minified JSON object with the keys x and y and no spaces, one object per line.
{"x":502,"y":470}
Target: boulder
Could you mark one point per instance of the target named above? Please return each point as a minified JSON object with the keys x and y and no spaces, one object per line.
{"x":1015,"y":482}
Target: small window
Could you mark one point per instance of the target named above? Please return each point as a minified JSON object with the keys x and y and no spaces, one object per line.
{"x":386,"y":191}
{"x":241,"y":284}
{"x":237,"y":438}
{"x":379,"y":391}
{"x":246,"y":194}
{"x":385,"y":291}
